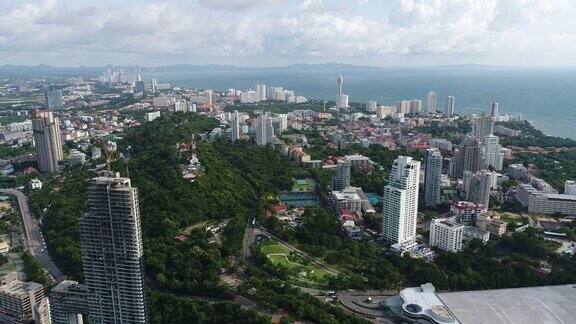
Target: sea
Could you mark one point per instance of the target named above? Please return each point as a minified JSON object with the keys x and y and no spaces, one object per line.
{"x":544,"y":96}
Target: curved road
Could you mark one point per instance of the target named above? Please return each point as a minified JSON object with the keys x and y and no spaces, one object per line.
{"x":33,"y":239}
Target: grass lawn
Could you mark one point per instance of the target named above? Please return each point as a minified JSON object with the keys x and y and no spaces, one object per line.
{"x":300,"y":269}
{"x":303,"y":185}
{"x":512,"y":218}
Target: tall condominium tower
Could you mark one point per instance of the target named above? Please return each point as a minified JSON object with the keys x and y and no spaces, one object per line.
{"x":494,"y":110}
{"x":415,"y":106}
{"x":493,"y":155}
{"x":341,"y":180}
{"x":477,"y":186}
{"x":46,"y":129}
{"x":264,"y":130}
{"x":54,"y":100}
{"x":432,"y":176}
{"x":261,"y":90}
{"x":139,"y":85}
{"x":449,"y":110}
{"x":400,"y":203}
{"x":468,"y":157}
{"x":431,"y":101}
{"x":235,"y":129}
{"x":112,"y":252}
{"x":482,"y":126}
{"x":209,"y":97}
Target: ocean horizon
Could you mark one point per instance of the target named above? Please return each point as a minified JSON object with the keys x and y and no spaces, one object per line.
{"x":544,"y":96}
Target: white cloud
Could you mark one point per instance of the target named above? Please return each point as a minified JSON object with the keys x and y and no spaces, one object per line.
{"x":280,"y":30}
{"x":238,"y":4}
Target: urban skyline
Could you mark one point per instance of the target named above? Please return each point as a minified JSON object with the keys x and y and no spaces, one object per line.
{"x":321,"y":190}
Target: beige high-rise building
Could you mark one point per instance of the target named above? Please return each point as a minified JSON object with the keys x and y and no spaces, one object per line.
{"x":46,"y":129}
{"x":400,"y":203}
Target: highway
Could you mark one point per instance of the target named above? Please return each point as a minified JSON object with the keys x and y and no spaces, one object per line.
{"x":33,"y":239}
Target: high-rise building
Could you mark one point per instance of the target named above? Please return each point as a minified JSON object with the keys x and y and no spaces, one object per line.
{"x":415,"y":106}
{"x":153,"y":85}
{"x":570,"y":188}
{"x":282,"y":121}
{"x":477,"y":186}
{"x":264,"y":130}
{"x":112,"y":252}
{"x":446,"y":235}
{"x":400,"y":202}
{"x":209,"y":97}
{"x":482,"y":126}
{"x":140,"y":86}
{"x":493,"y":154}
{"x":431,"y":101}
{"x":372,"y":106}
{"x":341,"y":180}
{"x":342,"y":99}
{"x":449,"y":109}
{"x":54,"y":100}
{"x":261,"y":91}
{"x":494,"y":110}
{"x":432,"y":177}
{"x":235,"y":129}
{"x":46,"y":130}
{"x":403,"y":107}
{"x":180,"y":105}
{"x":467,"y":157}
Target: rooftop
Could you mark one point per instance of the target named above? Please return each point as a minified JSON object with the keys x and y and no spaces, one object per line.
{"x":548,"y":304}
{"x":18,"y":288}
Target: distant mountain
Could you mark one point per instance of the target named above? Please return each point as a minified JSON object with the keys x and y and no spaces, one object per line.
{"x":48,"y":70}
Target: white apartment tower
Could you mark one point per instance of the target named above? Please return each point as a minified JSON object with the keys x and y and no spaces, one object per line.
{"x":432,"y":176}
{"x":493,"y":155}
{"x":431,"y":101}
{"x":446,"y":235}
{"x":449,"y":110}
{"x":112,"y":252}
{"x":400,"y":203}
{"x":46,"y":130}
{"x":494,"y":110}
{"x":235,"y":129}
{"x":209,"y":97}
{"x":261,"y":90}
{"x":264,"y":130}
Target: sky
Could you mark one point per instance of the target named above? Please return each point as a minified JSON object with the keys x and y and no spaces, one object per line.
{"x":283,"y":32}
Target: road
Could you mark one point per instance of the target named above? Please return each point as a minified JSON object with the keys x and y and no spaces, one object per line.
{"x":33,"y":239}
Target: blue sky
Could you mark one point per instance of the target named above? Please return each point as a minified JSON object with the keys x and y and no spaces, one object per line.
{"x":279,"y":32}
